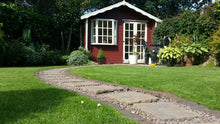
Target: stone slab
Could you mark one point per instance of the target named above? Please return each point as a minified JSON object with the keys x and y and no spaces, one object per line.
{"x":81,"y":84}
{"x":55,"y":76}
{"x":59,"y":79}
{"x":68,"y":80}
{"x":166,"y":111}
{"x":101,"y":89}
{"x":132,"y":97}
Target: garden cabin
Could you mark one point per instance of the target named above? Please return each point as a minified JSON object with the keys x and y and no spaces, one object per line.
{"x":112,"y":29}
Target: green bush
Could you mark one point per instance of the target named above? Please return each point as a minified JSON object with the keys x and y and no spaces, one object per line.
{"x":41,"y":55}
{"x":86,"y":52}
{"x":101,"y":54}
{"x":77,"y":58}
{"x":193,"y":49}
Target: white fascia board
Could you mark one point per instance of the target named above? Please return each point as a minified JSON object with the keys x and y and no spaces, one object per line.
{"x":102,"y":10}
{"x":143,"y":12}
{"x":123,"y":3}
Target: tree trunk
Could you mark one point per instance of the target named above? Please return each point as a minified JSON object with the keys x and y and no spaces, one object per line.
{"x":62,"y":38}
{"x":70,"y":36}
{"x":216,"y":62}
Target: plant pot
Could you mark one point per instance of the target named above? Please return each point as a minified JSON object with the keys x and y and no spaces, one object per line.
{"x":133,"y":59}
{"x":189,"y":60}
{"x":102,"y":60}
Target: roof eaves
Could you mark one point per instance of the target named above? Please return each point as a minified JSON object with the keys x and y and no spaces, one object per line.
{"x":102,"y":10}
{"x":123,"y":3}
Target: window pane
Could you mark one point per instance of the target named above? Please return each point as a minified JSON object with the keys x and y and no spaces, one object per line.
{"x":126,"y":33}
{"x":99,"y":39}
{"x":126,"y":55}
{"x":126,"y":27}
{"x":126,"y":41}
{"x":138,"y":27}
{"x":105,"y":40}
{"x":105,"y":24}
{"x":109,"y":39}
{"x":110,"y":24}
{"x":131,"y":34}
{"x":105,"y":31}
{"x":131,"y":26}
{"x":109,"y":32}
{"x":143,"y":26}
{"x":100,"y":23}
{"x":126,"y":48}
{"x":100,"y":32}
{"x":131,"y":49}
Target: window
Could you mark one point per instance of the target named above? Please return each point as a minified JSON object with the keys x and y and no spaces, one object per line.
{"x":104,"y":32}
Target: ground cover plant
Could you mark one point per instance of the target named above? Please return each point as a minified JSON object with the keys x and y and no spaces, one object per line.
{"x":26,"y":99}
{"x":197,"y":84}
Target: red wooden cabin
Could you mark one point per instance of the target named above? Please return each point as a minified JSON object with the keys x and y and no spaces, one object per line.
{"x":111,"y":29}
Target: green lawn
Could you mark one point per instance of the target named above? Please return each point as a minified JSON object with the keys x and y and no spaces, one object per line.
{"x":25,"y":99}
{"x":201,"y":85}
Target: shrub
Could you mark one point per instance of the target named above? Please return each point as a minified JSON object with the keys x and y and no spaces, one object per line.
{"x":86,"y":52}
{"x":77,"y":58}
{"x":193,"y":49}
{"x":101,"y":54}
{"x":169,"y":55}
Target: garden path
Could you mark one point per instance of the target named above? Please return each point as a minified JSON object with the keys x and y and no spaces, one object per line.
{"x":138,"y":104}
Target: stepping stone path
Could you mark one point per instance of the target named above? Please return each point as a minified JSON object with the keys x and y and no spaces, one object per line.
{"x":132,"y":97}
{"x":150,"y":108}
{"x":166,"y":111}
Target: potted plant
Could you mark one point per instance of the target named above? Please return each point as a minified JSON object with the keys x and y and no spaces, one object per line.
{"x":191,"y":51}
{"x":133,"y":57}
{"x":101,"y":57}
{"x":169,"y":55}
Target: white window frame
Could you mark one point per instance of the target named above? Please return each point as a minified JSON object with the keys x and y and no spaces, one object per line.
{"x":96,"y":35}
{"x":134,"y":33}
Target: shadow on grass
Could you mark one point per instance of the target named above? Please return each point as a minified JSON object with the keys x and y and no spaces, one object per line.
{"x":21,"y":103}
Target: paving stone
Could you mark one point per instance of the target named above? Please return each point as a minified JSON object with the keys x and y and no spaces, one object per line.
{"x":63,"y":78}
{"x":55,"y":76}
{"x":101,"y":89}
{"x":132,"y":97}
{"x":81,"y":84}
{"x":166,"y":111}
{"x":68,"y":80}
{"x":210,"y":123}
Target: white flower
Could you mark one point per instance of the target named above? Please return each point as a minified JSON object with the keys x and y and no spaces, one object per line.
{"x":82,"y":102}
{"x":132,"y":112}
{"x":98,"y":104}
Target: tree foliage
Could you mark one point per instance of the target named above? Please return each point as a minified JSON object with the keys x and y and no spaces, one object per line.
{"x":197,"y":25}
{"x":159,"y":8}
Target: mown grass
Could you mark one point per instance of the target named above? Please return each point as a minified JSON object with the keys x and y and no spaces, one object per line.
{"x":201,"y":85}
{"x":26,"y":99}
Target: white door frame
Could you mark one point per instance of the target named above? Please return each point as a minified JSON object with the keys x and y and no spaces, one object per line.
{"x":134,"y":33}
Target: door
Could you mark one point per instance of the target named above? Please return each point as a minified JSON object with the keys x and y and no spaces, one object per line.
{"x":132,"y":29}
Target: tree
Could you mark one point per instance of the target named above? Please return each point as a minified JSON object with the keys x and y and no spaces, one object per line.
{"x":194,"y":24}
{"x":68,"y":16}
{"x":160,"y":8}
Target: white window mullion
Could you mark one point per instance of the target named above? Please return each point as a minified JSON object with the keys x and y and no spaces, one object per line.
{"x":102,"y":31}
{"x":107,"y":32}
{"x":96,"y":36}
{"x":113,"y":32}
